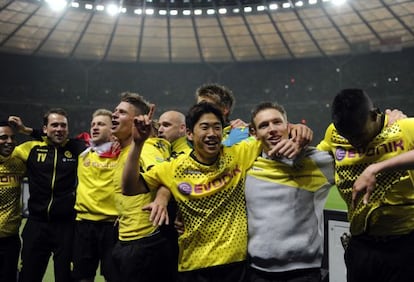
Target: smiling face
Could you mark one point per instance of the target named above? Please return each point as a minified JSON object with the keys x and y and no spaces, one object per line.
{"x":122,"y":121}
{"x":7,"y":141}
{"x":57,"y":129}
{"x":270,"y":126}
{"x":101,"y":126}
{"x":206,"y":137}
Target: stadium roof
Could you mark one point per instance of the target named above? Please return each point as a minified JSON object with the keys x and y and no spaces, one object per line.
{"x":206,"y":31}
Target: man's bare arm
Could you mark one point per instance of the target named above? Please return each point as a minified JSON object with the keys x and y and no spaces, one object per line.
{"x":141,"y":130}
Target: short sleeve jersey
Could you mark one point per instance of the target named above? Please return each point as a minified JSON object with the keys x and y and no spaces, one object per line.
{"x":95,"y":191}
{"x":390,"y":209}
{"x":134,"y":223}
{"x":11,"y":172}
{"x":211,"y":201}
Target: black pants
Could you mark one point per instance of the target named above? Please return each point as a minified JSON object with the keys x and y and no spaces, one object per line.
{"x":9,"y":257}
{"x":144,"y":260}
{"x":299,"y":275}
{"x":40,"y":240}
{"x":380,"y":259}
{"x":234,"y":272}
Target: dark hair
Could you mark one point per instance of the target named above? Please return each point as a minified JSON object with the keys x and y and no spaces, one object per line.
{"x":196,"y":111}
{"x":264,"y":106}
{"x":350,"y":110}
{"x":141,"y":105}
{"x":5,"y":123}
{"x":220,"y":94}
{"x":58,"y":111}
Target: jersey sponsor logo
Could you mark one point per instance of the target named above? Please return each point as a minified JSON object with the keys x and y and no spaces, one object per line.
{"x":187,"y":189}
{"x":9,"y":179}
{"x":394,"y":146}
{"x":89,"y":163}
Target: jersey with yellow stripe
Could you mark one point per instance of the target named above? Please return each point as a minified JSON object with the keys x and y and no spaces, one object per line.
{"x":134,"y":223}
{"x":390,"y":209}
{"x":211,"y":201}
{"x":11,"y":172}
{"x":285,"y":211}
{"x":95,"y":191}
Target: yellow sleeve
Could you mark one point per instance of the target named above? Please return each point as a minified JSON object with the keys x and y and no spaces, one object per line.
{"x":23,"y":150}
{"x":326,"y":143}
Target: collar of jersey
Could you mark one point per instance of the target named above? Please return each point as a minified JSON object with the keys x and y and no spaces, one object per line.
{"x":47,"y":140}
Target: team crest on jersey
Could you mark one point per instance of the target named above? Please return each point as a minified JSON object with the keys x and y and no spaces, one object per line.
{"x":68,"y":154}
{"x":185,"y":188}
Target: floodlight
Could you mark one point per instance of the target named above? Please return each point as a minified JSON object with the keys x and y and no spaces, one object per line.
{"x":273,"y":6}
{"x":57,"y":5}
{"x":338,"y":2}
{"x":149,"y":11}
{"x":112,"y":9}
{"x":222,"y":11}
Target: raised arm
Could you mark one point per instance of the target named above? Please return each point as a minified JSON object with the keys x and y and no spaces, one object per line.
{"x":18,"y":123}
{"x":141,"y":130}
{"x":366,"y":182}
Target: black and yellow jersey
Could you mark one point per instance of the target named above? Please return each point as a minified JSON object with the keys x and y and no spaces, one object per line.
{"x":134,"y":223}
{"x":390,"y":210}
{"x":52,"y":175}
{"x":95,"y":191}
{"x":11,"y":172}
{"x":211,"y":201}
{"x":180,"y":146}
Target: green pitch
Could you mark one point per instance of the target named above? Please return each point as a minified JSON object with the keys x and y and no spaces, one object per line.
{"x":334,"y":201}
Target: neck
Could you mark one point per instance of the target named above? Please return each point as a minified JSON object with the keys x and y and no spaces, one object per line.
{"x":125,"y":142}
{"x":206,"y":161}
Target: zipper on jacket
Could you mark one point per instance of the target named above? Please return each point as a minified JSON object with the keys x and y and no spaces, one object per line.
{"x":52,"y":183}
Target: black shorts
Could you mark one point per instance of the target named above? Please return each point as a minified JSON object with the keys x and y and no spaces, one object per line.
{"x":307,"y":274}
{"x":93,"y":244}
{"x":233,"y":272}
{"x":147,"y":259}
{"x":9,"y":256}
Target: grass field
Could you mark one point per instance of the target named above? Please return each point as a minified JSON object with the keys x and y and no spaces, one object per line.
{"x":334,"y":201}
